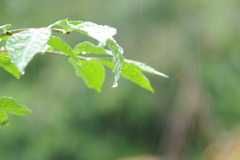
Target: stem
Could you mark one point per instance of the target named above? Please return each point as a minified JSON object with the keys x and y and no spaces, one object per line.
{"x":10,"y":32}
{"x":65,"y":55}
{"x":78,"y":56}
{"x":56,"y":53}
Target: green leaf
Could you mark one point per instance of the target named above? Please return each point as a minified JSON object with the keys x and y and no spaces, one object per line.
{"x":5,"y":27}
{"x":10,"y":105}
{"x":91,"y":71}
{"x":8,"y":65}
{"x":4,"y":37}
{"x":64,"y":24}
{"x":132,"y":70}
{"x":134,"y":73}
{"x":118,"y":59}
{"x":87,"y":47}
{"x":145,"y":68}
{"x":99,"y":32}
{"x":3,"y":115}
{"x":60,"y":45}
{"x":23,"y":46}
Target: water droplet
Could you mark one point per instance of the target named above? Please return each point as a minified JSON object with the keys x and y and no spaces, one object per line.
{"x":109,"y":52}
{"x":115,"y":85}
{"x":101,"y":44}
{"x":23,"y":72}
{"x":84,"y":52}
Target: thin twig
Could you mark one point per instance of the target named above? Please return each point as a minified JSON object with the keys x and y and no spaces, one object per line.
{"x":63,"y":54}
{"x":11,"y":32}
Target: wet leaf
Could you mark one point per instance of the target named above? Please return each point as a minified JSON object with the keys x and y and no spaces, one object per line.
{"x":145,"y":68}
{"x":132,"y":70}
{"x":60,"y":45}
{"x":23,"y":46}
{"x":87,"y":47}
{"x":91,"y":71}
{"x":118,"y":59}
{"x":99,"y":32}
{"x":8,"y":65}
{"x":8,"y":104}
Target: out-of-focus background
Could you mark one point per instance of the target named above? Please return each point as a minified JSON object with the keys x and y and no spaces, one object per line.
{"x":193,"y":115}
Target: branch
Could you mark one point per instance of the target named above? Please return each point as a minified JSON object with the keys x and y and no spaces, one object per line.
{"x":11,"y":32}
{"x":65,"y":55}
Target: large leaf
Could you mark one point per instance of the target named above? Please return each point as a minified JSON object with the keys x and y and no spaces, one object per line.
{"x":87,"y":47}
{"x":118,"y":59}
{"x":60,"y":45}
{"x":10,"y":105}
{"x":91,"y":71}
{"x":23,"y":46}
{"x":99,"y":32}
{"x":8,"y":65}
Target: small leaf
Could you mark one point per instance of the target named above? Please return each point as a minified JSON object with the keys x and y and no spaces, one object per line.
{"x":118,"y":59}
{"x":89,"y":48}
{"x":145,"y":68}
{"x":5,"y":27}
{"x":9,"y":66}
{"x":133,"y":73}
{"x":132,"y":70}
{"x":23,"y":46}
{"x":91,"y":71}
{"x":10,"y":105}
{"x":64,"y":24}
{"x":60,"y":45}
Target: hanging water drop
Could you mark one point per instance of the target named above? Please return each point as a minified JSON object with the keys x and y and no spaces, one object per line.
{"x":84,"y":52}
{"x":115,"y":85}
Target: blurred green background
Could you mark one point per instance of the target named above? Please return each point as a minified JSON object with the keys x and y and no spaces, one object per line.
{"x":195,"y":114}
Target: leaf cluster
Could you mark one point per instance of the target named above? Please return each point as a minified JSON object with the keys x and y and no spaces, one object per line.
{"x":88,"y":60}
